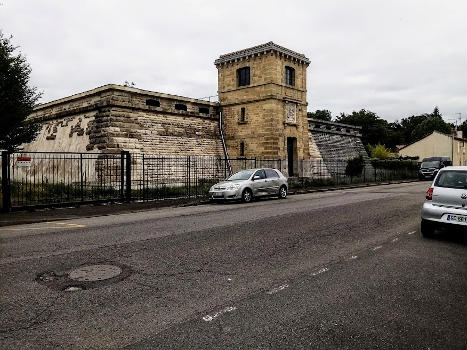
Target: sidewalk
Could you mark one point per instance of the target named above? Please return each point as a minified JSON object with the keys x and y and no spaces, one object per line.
{"x":80,"y":211}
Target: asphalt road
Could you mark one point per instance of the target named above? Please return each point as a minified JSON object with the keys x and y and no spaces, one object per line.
{"x":336,"y":270}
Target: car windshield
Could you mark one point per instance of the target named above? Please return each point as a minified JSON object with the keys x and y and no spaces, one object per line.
{"x":452,"y":179}
{"x":432,"y":164}
{"x":241,"y":175}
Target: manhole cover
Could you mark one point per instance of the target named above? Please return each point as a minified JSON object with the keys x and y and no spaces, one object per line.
{"x":95,"y":273}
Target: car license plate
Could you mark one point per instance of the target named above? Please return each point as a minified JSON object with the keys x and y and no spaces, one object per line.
{"x":218,"y":195}
{"x":456,"y":218}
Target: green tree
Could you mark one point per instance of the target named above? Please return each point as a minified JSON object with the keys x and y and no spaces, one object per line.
{"x":321,"y":114}
{"x":17,"y":98}
{"x":433,"y":122}
{"x":374,"y":129}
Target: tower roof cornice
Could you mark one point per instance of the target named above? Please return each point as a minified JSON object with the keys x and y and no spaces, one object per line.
{"x":261,"y":49}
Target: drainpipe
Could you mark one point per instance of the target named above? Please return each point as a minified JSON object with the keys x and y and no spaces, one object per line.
{"x":221,"y":131}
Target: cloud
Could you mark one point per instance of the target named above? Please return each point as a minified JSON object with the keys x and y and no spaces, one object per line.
{"x":396,"y":58}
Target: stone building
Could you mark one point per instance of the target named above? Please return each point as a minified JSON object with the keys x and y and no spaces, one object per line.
{"x":262,"y":106}
{"x":112,"y":118}
{"x":262,"y":94}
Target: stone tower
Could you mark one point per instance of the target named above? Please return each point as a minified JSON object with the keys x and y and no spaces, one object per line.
{"x":262,"y":93}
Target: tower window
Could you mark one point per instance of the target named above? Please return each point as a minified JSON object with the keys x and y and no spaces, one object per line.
{"x":204,"y":110}
{"x":243,"y":76}
{"x":180,"y":107}
{"x":242,"y":149}
{"x":152,"y":102}
{"x":289,"y":75}
{"x":243,"y":114}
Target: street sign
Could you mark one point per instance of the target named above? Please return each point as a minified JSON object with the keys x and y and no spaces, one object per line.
{"x":23,"y":161}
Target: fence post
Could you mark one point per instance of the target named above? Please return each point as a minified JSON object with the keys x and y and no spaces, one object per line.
{"x":128,"y":176}
{"x":225,"y":167}
{"x":6,"y":189}
{"x":188,"y":180}
{"x":144,"y":191}
{"x":337,"y":172}
{"x":122,"y":175}
{"x":81,"y":176}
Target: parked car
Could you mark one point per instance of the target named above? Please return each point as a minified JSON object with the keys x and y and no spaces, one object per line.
{"x":445,"y":203}
{"x":430,"y":167}
{"x":248,"y":184}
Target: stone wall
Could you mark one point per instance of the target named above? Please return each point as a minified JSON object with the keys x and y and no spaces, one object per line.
{"x":113,"y":118}
{"x":334,"y":144}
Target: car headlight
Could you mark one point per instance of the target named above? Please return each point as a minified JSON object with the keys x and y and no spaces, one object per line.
{"x":233,"y":187}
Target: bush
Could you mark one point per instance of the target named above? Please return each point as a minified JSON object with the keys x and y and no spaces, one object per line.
{"x":394,"y":164}
{"x":379,"y":152}
{"x":354,"y":166}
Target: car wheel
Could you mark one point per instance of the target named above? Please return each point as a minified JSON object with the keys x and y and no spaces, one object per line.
{"x":247,"y":196}
{"x":282,"y":192}
{"x":427,"y":229}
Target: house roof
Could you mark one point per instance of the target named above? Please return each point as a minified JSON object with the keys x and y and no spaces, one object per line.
{"x":259,"y":49}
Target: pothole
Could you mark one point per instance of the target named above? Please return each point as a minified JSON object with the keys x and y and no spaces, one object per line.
{"x":92,"y":273}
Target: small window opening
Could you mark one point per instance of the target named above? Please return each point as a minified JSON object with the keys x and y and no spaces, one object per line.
{"x":289,"y":75}
{"x":204,"y":110}
{"x":243,"y":114}
{"x":243,"y":76}
{"x":180,"y":107}
{"x":152,"y":102}
{"x":242,"y":149}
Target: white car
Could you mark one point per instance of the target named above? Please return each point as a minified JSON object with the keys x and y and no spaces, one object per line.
{"x":445,"y":203}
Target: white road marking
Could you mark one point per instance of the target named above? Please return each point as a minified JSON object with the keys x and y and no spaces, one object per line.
{"x":395,"y":240}
{"x":411,"y":233}
{"x":209,"y":318}
{"x":378,"y":247}
{"x":324,"y":269}
{"x":353,"y":257}
{"x":277,"y":289}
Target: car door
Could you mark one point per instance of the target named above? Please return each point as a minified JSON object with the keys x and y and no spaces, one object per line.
{"x":272,"y":178}
{"x":259,"y":185}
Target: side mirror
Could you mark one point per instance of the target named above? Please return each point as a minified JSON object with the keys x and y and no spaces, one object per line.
{"x":256,"y":177}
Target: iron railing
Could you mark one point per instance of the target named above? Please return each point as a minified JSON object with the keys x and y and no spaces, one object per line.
{"x":34,"y":179}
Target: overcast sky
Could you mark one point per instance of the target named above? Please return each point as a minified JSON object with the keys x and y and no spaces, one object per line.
{"x":396,"y":58}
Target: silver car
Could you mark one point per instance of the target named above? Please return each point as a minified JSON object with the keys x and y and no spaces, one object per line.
{"x":250,"y":183}
{"x":445,"y":203}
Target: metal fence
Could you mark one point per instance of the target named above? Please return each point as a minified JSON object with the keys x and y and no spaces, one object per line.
{"x":34,"y":179}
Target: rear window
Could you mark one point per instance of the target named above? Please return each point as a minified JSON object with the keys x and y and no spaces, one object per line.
{"x":452,"y":179}
{"x":431,"y":164}
{"x":271,"y":174}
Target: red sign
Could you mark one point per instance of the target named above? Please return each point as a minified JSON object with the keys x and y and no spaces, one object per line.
{"x":23,"y":161}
